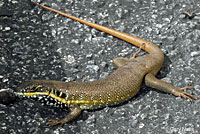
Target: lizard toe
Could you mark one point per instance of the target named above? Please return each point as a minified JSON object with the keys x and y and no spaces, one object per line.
{"x":53,"y":122}
{"x":180,"y":93}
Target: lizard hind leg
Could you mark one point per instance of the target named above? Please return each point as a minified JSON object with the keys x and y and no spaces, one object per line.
{"x":120,"y":61}
{"x":75,"y":111}
{"x":152,"y":81}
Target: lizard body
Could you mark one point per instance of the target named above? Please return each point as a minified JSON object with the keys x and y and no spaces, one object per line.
{"x":119,"y":86}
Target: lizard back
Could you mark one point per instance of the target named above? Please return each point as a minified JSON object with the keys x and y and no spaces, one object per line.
{"x":118,"y":87}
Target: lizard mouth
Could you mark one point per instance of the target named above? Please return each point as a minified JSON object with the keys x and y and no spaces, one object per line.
{"x":44,"y":97}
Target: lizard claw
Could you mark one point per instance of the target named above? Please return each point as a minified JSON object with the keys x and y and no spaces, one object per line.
{"x":180,"y":93}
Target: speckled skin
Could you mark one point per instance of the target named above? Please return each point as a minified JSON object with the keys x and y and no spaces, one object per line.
{"x":119,"y":86}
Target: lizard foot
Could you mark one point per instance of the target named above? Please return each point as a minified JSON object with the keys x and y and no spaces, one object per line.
{"x":55,"y":122}
{"x":74,"y":113}
{"x":135,"y":54}
{"x":180,"y":93}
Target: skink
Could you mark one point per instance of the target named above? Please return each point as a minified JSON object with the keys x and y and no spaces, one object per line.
{"x":118,"y":87}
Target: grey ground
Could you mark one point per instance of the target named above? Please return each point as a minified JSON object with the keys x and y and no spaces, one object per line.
{"x":38,"y":44}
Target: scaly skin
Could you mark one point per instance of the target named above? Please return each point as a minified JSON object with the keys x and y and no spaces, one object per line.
{"x":119,"y":86}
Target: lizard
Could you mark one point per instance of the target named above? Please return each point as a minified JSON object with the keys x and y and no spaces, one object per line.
{"x":119,"y":86}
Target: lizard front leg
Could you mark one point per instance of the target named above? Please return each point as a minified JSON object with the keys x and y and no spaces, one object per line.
{"x":152,"y":81}
{"x":75,"y":111}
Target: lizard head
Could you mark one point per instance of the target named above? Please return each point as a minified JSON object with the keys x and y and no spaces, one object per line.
{"x":30,"y":88}
{"x":45,"y":93}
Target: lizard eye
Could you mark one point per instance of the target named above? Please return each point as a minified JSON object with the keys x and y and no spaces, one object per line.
{"x":33,"y":88}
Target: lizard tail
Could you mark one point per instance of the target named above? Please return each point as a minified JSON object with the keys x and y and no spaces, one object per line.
{"x":146,"y":46}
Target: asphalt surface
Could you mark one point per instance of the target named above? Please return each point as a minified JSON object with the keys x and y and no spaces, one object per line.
{"x":39,"y":44}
